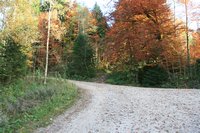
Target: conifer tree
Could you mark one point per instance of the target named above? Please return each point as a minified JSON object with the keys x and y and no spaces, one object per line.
{"x":82,"y":58}
{"x":12,"y":61}
{"x":101,"y":22}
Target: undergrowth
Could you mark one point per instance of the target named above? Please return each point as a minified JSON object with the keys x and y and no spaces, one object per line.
{"x":28,"y":104}
{"x":121,"y":78}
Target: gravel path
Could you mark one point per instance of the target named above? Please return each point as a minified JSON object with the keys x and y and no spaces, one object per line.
{"x":121,"y":109}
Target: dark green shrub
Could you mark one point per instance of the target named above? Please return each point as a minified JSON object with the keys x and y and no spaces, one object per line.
{"x":198,"y":69}
{"x":152,"y":76}
{"x":121,"y":78}
{"x":12,"y":61}
{"x":82,"y":62}
{"x":176,"y":81}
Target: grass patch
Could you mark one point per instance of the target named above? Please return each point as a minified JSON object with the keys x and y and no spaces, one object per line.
{"x":27,"y":105}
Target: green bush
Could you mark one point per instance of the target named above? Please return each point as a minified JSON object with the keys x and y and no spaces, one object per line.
{"x":152,"y":76}
{"x":176,"y":82}
{"x":12,"y":61}
{"x":198,"y":69}
{"x":121,"y":78}
{"x":82,"y":62}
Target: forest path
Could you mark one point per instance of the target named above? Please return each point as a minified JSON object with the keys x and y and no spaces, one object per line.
{"x":107,"y":108}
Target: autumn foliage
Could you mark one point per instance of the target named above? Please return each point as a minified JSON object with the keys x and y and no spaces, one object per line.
{"x":138,"y":34}
{"x":143,"y":31}
{"x":66,"y":23}
{"x":195,"y":48}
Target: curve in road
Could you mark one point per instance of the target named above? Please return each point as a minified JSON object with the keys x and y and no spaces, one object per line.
{"x":121,"y":109}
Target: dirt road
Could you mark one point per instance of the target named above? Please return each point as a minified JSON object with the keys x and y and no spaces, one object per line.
{"x":121,"y":109}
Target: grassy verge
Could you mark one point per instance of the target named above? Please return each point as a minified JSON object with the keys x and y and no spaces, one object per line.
{"x":27,"y":105}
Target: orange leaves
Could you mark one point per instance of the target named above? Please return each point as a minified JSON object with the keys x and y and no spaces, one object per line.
{"x":184,"y":1}
{"x":66,"y":22}
{"x":195,"y":48}
{"x":142,"y":31}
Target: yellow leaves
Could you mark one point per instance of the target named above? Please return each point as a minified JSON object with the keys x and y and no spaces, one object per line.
{"x":140,"y":17}
{"x":21,"y":24}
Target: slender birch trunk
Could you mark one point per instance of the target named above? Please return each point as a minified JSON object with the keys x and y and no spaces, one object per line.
{"x":47,"y":46}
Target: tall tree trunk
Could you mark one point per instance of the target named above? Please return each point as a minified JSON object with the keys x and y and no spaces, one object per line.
{"x":47,"y":46}
{"x":174,"y":14}
{"x":187,"y":38}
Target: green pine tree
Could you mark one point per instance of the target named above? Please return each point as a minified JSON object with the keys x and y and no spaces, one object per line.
{"x":82,"y":58}
{"x":12,"y":61}
{"x":101,"y":21}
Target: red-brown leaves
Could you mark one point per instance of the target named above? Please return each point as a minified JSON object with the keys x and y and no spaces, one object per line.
{"x":195,"y":48}
{"x":143,"y":31}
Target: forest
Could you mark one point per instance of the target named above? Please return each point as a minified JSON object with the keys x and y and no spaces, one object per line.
{"x":141,"y":43}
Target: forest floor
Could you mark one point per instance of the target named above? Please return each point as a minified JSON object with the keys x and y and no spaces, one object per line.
{"x":107,"y":108}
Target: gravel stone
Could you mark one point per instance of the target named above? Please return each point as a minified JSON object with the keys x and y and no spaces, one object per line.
{"x":107,"y":108}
